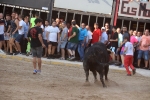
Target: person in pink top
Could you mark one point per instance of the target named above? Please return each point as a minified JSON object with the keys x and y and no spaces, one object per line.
{"x":133,"y":39}
{"x":144,"y":48}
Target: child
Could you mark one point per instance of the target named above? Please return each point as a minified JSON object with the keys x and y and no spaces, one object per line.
{"x":128,"y":51}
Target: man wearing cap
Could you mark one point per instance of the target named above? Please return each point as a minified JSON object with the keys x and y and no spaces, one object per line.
{"x":104,"y":36}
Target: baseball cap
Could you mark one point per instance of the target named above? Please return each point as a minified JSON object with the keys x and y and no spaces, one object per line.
{"x":103,"y":28}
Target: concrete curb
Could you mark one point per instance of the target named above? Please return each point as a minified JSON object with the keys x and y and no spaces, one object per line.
{"x":57,"y":62}
{"x":44,"y":60}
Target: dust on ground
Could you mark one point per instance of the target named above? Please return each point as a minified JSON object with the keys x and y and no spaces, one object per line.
{"x":66,"y":83}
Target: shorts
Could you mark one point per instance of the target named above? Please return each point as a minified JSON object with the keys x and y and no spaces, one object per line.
{"x":122,"y":50}
{"x":113,"y":49}
{"x":72,"y":46}
{"x":14,"y":35}
{"x":37,"y":51}
{"x":52,"y":43}
{"x":19,"y":38}
{"x":6,"y":37}
{"x":63,"y":45}
{"x":45,"y":42}
{"x":144,"y":54}
{"x":118,"y":51}
{"x":1,"y":37}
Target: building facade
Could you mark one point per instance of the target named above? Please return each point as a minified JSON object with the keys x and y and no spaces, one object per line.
{"x":86,"y":14}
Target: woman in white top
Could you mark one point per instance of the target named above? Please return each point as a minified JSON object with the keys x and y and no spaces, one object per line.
{"x":52,"y":39}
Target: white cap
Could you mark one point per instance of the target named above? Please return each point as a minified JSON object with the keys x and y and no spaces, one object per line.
{"x":103,"y":28}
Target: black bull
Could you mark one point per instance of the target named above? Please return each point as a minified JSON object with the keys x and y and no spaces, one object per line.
{"x":96,"y":60}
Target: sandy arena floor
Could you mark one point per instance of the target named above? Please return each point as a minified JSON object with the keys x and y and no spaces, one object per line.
{"x":66,"y":83}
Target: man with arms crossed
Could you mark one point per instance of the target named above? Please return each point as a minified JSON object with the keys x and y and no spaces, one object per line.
{"x":35,"y":34}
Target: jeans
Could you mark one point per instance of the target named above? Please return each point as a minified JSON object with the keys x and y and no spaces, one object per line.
{"x":144,"y":54}
{"x":81,"y":49}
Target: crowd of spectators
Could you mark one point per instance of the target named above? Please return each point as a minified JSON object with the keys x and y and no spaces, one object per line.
{"x":68,"y":40}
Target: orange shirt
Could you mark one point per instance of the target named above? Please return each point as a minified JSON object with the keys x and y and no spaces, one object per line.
{"x":96,"y":34}
{"x":145,"y":40}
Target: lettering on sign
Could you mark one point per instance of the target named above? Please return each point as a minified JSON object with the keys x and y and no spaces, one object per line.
{"x":134,"y":9}
{"x":93,"y":1}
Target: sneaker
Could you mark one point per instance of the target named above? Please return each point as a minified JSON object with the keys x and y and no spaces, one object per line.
{"x":28,"y":53}
{"x":35,"y":71}
{"x":122,"y":66}
{"x":128,"y":74}
{"x":1,"y":51}
{"x":38,"y":71}
{"x":17,"y":53}
{"x":49,"y":57}
{"x":134,"y":71}
{"x":9,"y":53}
{"x":72,"y":57}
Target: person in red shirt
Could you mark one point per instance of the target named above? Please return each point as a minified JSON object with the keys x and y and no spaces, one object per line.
{"x":96,"y":34}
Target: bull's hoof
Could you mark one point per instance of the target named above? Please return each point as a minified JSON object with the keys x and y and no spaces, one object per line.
{"x":87,"y":83}
{"x":95,"y":81}
{"x":104,"y":86}
{"x":106,"y":79}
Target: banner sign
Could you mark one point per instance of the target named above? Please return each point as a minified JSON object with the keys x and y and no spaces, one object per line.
{"x":95,"y":6}
{"x":134,"y":9}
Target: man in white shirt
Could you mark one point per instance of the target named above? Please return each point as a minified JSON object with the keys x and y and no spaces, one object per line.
{"x":104,"y":36}
{"x":52,"y":37}
{"x":47,"y":27}
{"x":89,"y":36}
{"x":128,"y":51}
{"x":20,"y":35}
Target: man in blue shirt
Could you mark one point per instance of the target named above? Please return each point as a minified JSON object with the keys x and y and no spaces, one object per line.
{"x":82,"y":40}
{"x":104,"y":36}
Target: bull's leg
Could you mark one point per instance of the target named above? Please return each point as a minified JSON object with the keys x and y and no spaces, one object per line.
{"x":87,"y":75}
{"x":101,"y":78}
{"x":95,"y":76}
{"x":106,"y":71}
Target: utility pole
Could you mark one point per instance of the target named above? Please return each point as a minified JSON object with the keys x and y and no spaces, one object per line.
{"x":114,"y":13}
{"x":51,"y":3}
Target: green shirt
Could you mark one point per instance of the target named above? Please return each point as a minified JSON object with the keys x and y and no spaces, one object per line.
{"x":75,"y":38}
{"x":32,"y":22}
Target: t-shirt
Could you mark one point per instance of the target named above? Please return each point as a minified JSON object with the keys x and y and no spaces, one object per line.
{"x":33,"y":34}
{"x":64,"y":31}
{"x":82,"y":34}
{"x":89,"y":36}
{"x":108,"y":32}
{"x":45,"y":32}
{"x":96,"y":35}
{"x":75,"y":38}
{"x":69,"y":31}
{"x":2,"y":25}
{"x":129,"y":51}
{"x":104,"y":37}
{"x":114,"y":36}
{"x":32,"y":22}
{"x":138,"y":39}
{"x":53,"y":33}
{"x":26,"y":28}
{"x":133,"y":39}
{"x":8,"y":23}
{"x":120,"y":39}
{"x":126,"y":34}
{"x":21,"y":31}
{"x":145,"y":40}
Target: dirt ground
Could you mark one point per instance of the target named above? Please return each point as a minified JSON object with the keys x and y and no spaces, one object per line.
{"x":66,"y":83}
